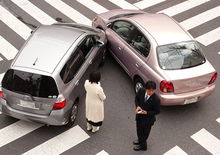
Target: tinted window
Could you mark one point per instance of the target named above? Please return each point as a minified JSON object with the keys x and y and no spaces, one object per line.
{"x":140,"y":43}
{"x":87,"y":45}
{"x":124,"y":29}
{"x":72,"y":66}
{"x":180,"y":56}
{"x":29,"y":83}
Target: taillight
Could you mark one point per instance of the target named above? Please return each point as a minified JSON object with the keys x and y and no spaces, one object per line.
{"x":61,"y":102}
{"x":214,"y":77}
{"x":1,"y":94}
{"x":166,"y":87}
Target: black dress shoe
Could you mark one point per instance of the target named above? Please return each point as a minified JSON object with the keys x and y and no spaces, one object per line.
{"x":139,"y":148}
{"x":136,"y":142}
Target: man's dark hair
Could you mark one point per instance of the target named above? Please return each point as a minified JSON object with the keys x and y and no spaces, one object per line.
{"x":150,"y":85}
{"x":94,"y":77}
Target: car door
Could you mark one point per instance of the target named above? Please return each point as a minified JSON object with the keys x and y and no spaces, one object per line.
{"x":119,"y":34}
{"x":82,"y":62}
{"x":136,"y":52}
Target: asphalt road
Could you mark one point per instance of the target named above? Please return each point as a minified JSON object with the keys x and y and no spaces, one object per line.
{"x":174,"y":126}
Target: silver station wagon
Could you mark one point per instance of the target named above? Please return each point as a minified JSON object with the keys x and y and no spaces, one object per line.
{"x":155,"y":47}
{"x":46,"y":78}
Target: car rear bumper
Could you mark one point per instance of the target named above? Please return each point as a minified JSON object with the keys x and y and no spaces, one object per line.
{"x":56,"y":117}
{"x":180,"y":99}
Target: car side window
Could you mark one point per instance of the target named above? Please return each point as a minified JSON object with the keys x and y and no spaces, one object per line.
{"x":141,"y":43}
{"x":72,"y":66}
{"x":124,"y":29}
{"x":87,"y":45}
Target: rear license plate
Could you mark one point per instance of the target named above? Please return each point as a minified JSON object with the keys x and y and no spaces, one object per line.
{"x":27,"y":104}
{"x":192,"y":100}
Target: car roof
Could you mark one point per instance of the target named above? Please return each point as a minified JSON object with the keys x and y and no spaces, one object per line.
{"x":163,"y":28}
{"x":46,"y":47}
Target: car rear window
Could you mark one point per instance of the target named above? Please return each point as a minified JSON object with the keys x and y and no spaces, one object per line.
{"x":180,"y":56}
{"x":29,"y":83}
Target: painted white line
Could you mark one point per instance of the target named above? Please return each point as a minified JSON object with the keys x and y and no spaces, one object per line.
{"x":102,"y":153}
{"x":208,"y":141}
{"x":175,"y":151}
{"x":219,"y":53}
{"x":16,"y":130}
{"x":210,"y":37}
{"x":15,"y":24}
{"x":146,"y":3}
{"x":60,"y":143}
{"x":1,"y":77}
{"x":7,"y":49}
{"x":123,"y":4}
{"x":92,"y":5}
{"x":69,"y":11}
{"x":181,"y":7}
{"x":34,"y":11}
{"x":201,"y":18}
{"x":218,"y":120}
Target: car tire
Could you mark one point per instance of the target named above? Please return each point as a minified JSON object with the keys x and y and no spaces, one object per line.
{"x":138,"y":83}
{"x":73,"y":114}
{"x":103,"y":57}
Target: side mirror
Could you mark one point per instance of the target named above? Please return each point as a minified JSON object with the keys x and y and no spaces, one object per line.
{"x":99,"y":43}
{"x":109,"y":25}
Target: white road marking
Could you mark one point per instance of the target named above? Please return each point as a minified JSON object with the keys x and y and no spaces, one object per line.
{"x":69,"y":11}
{"x":15,"y":24}
{"x":218,"y":120}
{"x":175,"y":151}
{"x":208,"y":141}
{"x":201,"y":18}
{"x":16,"y":130}
{"x":1,"y":77}
{"x":102,"y":153}
{"x":146,"y":3}
{"x":7,"y":49}
{"x":210,"y":37}
{"x":92,"y":5}
{"x":219,"y":53}
{"x":181,"y":7}
{"x":60,"y":143}
{"x":123,"y":4}
{"x":34,"y":11}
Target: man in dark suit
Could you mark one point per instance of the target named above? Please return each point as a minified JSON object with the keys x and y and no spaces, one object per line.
{"x":147,"y":106}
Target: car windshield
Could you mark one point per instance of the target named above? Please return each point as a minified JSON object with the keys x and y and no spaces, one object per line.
{"x":29,"y":83}
{"x":180,"y":56}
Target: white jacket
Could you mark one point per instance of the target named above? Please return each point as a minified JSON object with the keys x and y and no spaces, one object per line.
{"x":94,"y":101}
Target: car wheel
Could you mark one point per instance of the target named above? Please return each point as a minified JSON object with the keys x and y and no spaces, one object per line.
{"x":138,"y":83}
{"x":73,"y":114}
{"x":103,"y":57}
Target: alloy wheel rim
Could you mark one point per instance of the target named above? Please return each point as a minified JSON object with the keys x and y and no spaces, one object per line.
{"x":138,"y":86}
{"x":73,"y":113}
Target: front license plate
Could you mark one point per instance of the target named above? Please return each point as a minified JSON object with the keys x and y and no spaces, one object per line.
{"x":27,"y":104}
{"x":192,"y":100}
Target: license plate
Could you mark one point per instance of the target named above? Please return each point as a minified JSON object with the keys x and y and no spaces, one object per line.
{"x":192,"y":100}
{"x":27,"y":104}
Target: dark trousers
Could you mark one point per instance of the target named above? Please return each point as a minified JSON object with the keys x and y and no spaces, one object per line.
{"x":143,"y":131}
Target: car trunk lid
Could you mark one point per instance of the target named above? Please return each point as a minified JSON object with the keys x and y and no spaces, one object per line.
{"x":190,"y":79}
{"x":29,"y":92}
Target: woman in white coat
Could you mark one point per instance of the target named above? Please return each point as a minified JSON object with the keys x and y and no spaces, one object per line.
{"x":94,"y":102}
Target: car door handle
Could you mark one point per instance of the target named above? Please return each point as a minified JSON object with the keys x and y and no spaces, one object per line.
{"x":137,"y":65}
{"x":90,"y":62}
{"x":77,"y":83}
